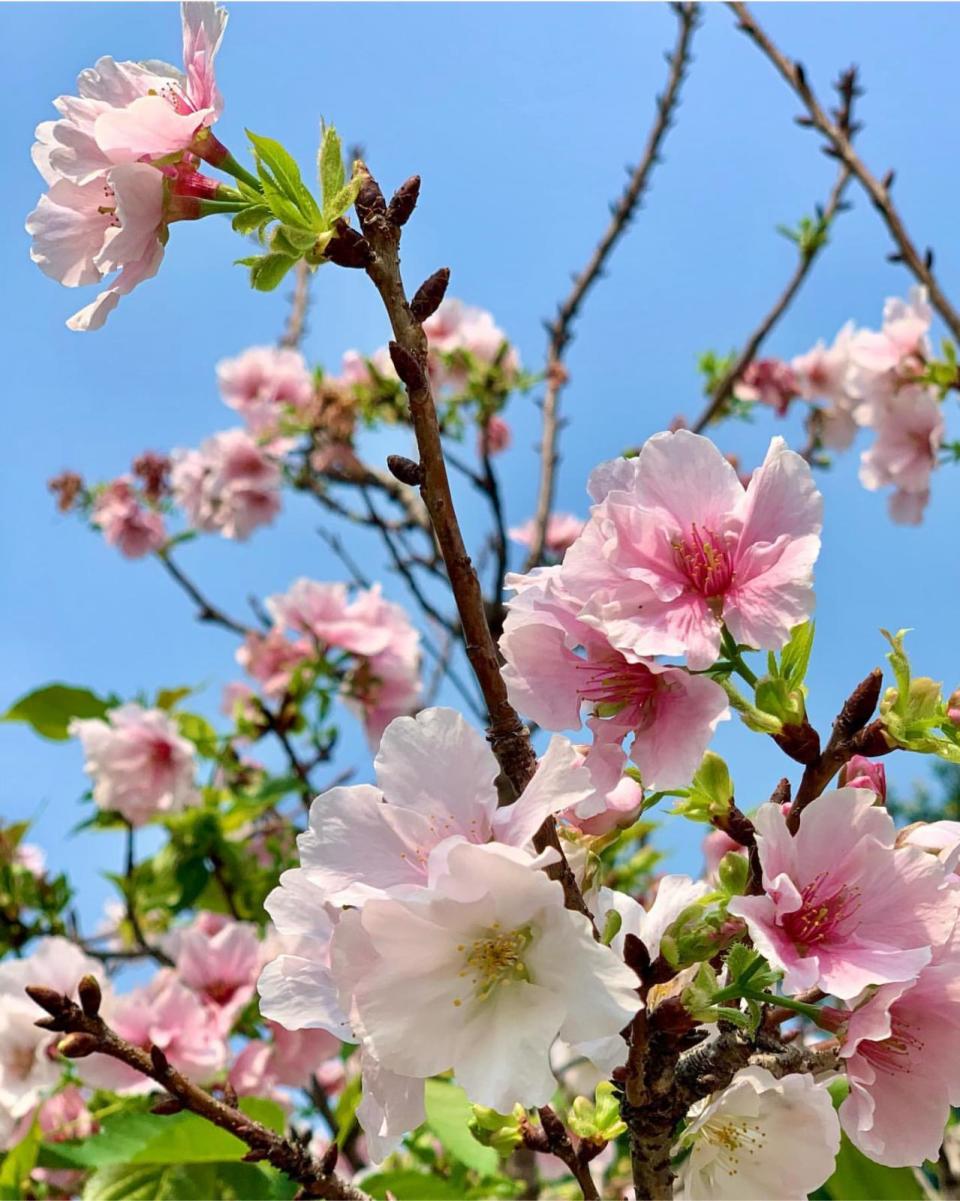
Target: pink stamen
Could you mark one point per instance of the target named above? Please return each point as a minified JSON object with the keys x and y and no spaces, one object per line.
{"x":705,"y":561}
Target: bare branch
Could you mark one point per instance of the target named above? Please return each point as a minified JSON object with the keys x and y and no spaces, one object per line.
{"x":299,"y":304}
{"x":206,"y":610}
{"x":560,"y":329}
{"x":841,"y":147}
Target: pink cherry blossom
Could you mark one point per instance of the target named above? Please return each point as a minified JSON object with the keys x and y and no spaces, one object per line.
{"x":140,"y":764}
{"x":677,"y":546}
{"x":860,"y":772}
{"x":910,"y":429}
{"x":479,"y":973}
{"x":494,"y":437}
{"x":262,"y":382}
{"x":230,"y":484}
{"x":436,"y":781}
{"x":881,"y":363}
{"x":822,"y":374}
{"x":562,"y":531}
{"x":271,"y":659}
{"x":165,"y":1014}
{"x":324,"y":613}
{"x":28,"y":1067}
{"x":901,"y":1046}
{"x":769,"y":381}
{"x":127,"y":524}
{"x":556,"y":665}
{"x":31,"y":858}
{"x":236,"y":701}
{"x":842,"y":909}
{"x":717,"y":844}
{"x":940,"y":838}
{"x":296,"y":1055}
{"x":66,"y":1116}
{"x":622,"y":806}
{"x":382,"y":688}
{"x":458,"y":327}
{"x":219,"y":960}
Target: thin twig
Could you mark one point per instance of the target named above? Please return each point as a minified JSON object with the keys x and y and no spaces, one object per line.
{"x":805,"y":260}
{"x":86,"y":1033}
{"x":206,"y":610}
{"x":560,"y":329}
{"x":840,"y":146}
{"x":299,"y":304}
{"x":131,"y":906}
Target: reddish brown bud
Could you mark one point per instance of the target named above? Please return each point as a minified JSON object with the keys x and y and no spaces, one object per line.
{"x":737,"y":825}
{"x":348,"y":248}
{"x":404,"y":201}
{"x":407,"y":367}
{"x":66,"y":487}
{"x":230,"y":1095}
{"x":636,"y":955}
{"x":90,"y":995}
{"x":801,"y":742}
{"x":329,"y":1161}
{"x":47,"y":998}
{"x":782,"y":793}
{"x":405,"y":470}
{"x":52,"y":1023}
{"x":166,"y":1107}
{"x":159,"y":1060}
{"x":431,"y":292}
{"x":370,"y":203}
{"x":152,"y":469}
{"x":77,"y":1045}
{"x":254,"y":1156}
{"x":859,"y":706}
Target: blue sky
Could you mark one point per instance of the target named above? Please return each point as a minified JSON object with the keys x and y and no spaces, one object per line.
{"x":520,"y":119}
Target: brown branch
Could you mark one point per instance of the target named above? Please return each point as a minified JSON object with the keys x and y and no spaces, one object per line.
{"x":299,"y":304}
{"x":507,"y":734}
{"x":723,"y":389}
{"x":86,"y":1033}
{"x":206,"y":610}
{"x":132,"y":916}
{"x":553,"y":1138}
{"x":560,"y":329}
{"x":841,"y":147}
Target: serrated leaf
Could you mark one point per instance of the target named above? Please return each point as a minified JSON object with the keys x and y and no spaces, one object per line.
{"x":449,"y":1114}
{"x":341,"y":201}
{"x":49,"y":710}
{"x":267,"y":270}
{"x":281,"y":178}
{"x":795,"y":656}
{"x":252,"y":219}
{"x":330,"y":166}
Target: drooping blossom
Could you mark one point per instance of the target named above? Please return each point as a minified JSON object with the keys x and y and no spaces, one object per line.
{"x":622,"y":806}
{"x":822,"y":374}
{"x":562,"y":531}
{"x":882,"y":362}
{"x":759,"y":1138}
{"x":435,"y":781}
{"x":139,"y":762}
{"x":557,"y":666}
{"x":842,"y":909}
{"x":262,"y":382}
{"x":28,"y":1067}
{"x":165,"y":1014}
{"x":219,"y":960}
{"x":677,"y":546}
{"x":478,"y":973}
{"x":910,"y":429}
{"x":127,"y":524}
{"x":901,"y":1046}
{"x":494,"y":437}
{"x":860,"y":772}
{"x":768,"y":381}
{"x":120,"y":162}
{"x":272,"y":658}
{"x":229,"y":485}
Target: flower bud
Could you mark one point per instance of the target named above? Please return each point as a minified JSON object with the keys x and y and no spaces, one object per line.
{"x":860,"y":772}
{"x":77,"y":1045}
{"x":90,"y":995}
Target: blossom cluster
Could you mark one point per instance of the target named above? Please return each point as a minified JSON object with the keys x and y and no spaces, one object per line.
{"x":873,"y":379}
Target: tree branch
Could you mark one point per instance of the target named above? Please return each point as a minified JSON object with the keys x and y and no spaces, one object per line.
{"x":296,"y":325}
{"x":86,"y":1033}
{"x":207,"y":611}
{"x":622,"y":213}
{"x":840,"y":146}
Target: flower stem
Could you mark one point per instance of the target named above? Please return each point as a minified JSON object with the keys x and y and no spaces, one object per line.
{"x":768,"y":998}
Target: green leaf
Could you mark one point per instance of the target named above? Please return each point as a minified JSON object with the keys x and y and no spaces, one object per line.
{"x":51,"y":709}
{"x":252,"y":219}
{"x":200,"y":732}
{"x":449,"y":1114}
{"x":407,"y":1185}
{"x":342,"y":200}
{"x":282,"y":181}
{"x":169,"y":698}
{"x":856,"y":1178}
{"x":267,"y":270}
{"x":330,"y":166}
{"x":186,"y":1182}
{"x":795,"y":656}
{"x":17,"y":1165}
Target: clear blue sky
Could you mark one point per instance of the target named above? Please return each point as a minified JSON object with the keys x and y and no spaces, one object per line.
{"x":520,"y":119}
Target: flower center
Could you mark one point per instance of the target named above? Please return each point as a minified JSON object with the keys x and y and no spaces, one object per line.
{"x":899,"y":1052}
{"x":733,"y":1138}
{"x":495,"y":958}
{"x":704,"y":559}
{"x":819,"y":918}
{"x":616,"y":687}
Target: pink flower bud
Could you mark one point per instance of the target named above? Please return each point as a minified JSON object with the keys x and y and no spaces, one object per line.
{"x":860,"y":772}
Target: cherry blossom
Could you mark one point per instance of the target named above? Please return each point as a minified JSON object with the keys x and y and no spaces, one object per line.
{"x":556,"y":665}
{"x":262,"y":382}
{"x":229,"y":485}
{"x":479,"y":973}
{"x":910,"y":428}
{"x":135,"y":530}
{"x":366,"y":626}
{"x":842,"y":910}
{"x":941,"y":838}
{"x":271,"y":659}
{"x":822,"y":374}
{"x":494,"y":437}
{"x":140,"y":764}
{"x":219,"y":959}
{"x":677,"y":546}
{"x":860,"y":772}
{"x":769,"y":381}
{"x":562,"y":531}
{"x":759,"y":1138}
{"x":436,"y":781}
